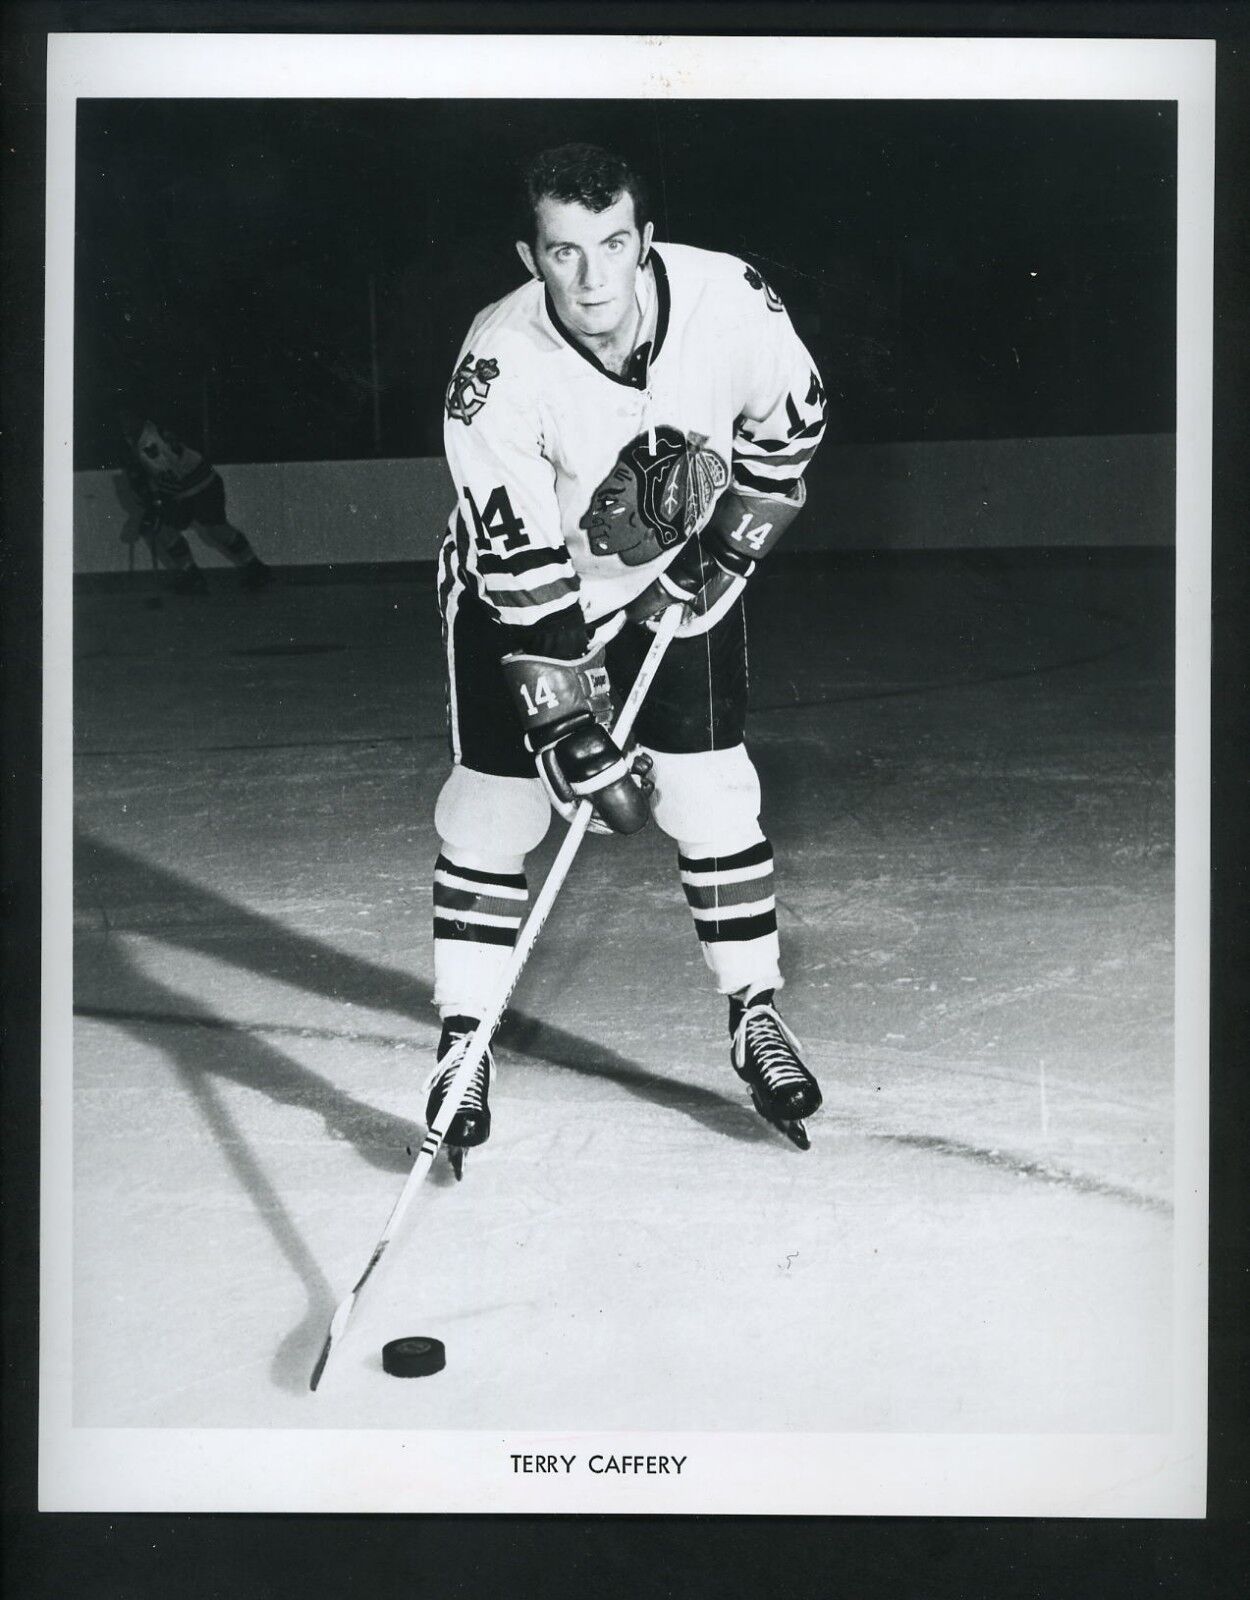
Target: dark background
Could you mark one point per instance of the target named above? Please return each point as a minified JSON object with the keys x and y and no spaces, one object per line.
{"x":960,"y":270}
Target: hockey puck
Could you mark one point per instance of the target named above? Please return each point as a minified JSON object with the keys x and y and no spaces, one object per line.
{"x":414,"y":1356}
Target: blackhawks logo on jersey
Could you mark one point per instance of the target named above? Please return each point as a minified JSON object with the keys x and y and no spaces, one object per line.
{"x":648,"y":503}
{"x":467,"y":391}
{"x":770,"y":294}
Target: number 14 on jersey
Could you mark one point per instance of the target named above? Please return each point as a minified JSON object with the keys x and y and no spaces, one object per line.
{"x":496,"y":526}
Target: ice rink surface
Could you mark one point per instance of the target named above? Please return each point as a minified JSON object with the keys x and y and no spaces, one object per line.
{"x":967,"y":769}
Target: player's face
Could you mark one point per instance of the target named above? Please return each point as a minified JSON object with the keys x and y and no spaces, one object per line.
{"x":589,"y":261}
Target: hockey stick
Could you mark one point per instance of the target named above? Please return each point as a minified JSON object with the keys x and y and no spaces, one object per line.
{"x":665,"y":631}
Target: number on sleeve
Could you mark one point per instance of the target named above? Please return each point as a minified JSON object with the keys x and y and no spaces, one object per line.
{"x":814,"y":399}
{"x":497,"y":523}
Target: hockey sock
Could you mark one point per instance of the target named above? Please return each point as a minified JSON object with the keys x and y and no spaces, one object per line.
{"x":234,"y":544}
{"x":177,"y":553}
{"x":738,"y":1004}
{"x":731,"y":899}
{"x":477,"y":917}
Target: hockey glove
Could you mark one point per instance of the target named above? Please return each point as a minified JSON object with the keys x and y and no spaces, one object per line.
{"x":710,"y":571}
{"x":576,"y":757}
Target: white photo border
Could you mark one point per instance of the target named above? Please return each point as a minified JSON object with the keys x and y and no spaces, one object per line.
{"x":266,"y":1471}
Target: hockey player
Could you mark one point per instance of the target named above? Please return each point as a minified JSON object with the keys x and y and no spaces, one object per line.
{"x":177,"y":487}
{"x":626,"y":431}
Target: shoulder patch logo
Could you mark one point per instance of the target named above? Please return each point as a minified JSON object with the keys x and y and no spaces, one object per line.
{"x":770,"y":294}
{"x":469,"y":387}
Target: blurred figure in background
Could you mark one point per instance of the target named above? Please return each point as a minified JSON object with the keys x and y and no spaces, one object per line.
{"x":177,"y":486}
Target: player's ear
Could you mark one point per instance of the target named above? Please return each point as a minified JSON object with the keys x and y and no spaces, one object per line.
{"x":647,"y":234}
{"x":527,"y":256}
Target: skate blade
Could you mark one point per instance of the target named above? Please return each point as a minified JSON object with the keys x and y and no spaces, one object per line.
{"x":792,"y":1128}
{"x":456,"y":1154}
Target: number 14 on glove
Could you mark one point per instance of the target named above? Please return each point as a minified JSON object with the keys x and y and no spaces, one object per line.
{"x":710,"y":571}
{"x":564,"y":706}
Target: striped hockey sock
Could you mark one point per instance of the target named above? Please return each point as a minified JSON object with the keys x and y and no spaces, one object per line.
{"x":177,"y":553}
{"x":732,"y":901}
{"x":477,"y":917}
{"x":235,"y":545}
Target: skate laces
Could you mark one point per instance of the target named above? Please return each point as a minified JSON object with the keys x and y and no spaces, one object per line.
{"x":774,"y":1047}
{"x":439,"y":1078}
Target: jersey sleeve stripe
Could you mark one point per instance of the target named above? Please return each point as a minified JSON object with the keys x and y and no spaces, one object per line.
{"x":521,"y":610}
{"x":558,"y":591}
{"x":182,"y":489}
{"x":777,"y":455}
{"x":765,"y":442}
{"x":523,"y":560}
{"x":746,"y":479}
{"x":529,"y":583}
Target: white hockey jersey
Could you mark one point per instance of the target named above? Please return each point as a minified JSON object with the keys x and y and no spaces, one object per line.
{"x":575,"y":486}
{"x":167,"y":466}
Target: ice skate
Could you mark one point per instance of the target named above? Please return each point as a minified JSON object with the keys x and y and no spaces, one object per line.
{"x":765,"y":1055}
{"x":254,"y":574}
{"x":471,"y":1124}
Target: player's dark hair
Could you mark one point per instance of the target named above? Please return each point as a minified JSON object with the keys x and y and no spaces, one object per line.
{"x":581,"y":174}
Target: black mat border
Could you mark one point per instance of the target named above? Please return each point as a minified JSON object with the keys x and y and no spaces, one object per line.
{"x":128,"y":1558}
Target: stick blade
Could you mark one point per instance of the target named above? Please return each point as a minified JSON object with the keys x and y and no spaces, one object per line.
{"x":337,"y":1324}
{"x":321,"y":1362}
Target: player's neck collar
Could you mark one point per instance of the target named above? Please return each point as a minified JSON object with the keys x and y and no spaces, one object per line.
{"x":635,"y":373}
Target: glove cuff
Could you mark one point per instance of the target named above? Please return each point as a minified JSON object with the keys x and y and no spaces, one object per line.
{"x":745,"y":525}
{"x":550,"y":693}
